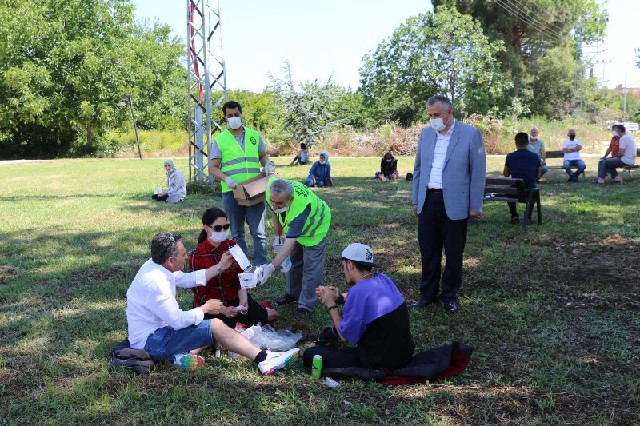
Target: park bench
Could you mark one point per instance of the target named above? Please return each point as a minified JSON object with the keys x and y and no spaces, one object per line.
{"x":557,"y":154}
{"x":628,"y":169}
{"x":513,"y":190}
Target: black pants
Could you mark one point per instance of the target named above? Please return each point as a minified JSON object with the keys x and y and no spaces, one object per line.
{"x":435,"y":232}
{"x":332,"y":358}
{"x":158,"y":198}
{"x":255,"y":314}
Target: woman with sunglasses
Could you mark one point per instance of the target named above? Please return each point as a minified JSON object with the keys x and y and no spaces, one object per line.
{"x":213,"y":249}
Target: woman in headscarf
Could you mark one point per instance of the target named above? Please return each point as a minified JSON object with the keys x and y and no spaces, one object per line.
{"x":320,"y":173}
{"x":388,"y":167}
{"x":176,"y":184}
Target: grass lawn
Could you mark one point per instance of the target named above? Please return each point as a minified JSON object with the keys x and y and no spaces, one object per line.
{"x":552,"y":312}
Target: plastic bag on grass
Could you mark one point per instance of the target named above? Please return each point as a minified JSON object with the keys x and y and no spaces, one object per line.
{"x":265,"y":337}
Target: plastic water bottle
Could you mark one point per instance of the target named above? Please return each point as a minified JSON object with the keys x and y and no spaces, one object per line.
{"x":316,"y":367}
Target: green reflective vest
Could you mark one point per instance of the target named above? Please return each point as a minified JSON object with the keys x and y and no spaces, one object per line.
{"x":318,"y":221}
{"x":236,"y":163}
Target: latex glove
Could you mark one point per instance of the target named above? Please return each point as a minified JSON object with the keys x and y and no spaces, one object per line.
{"x":264,"y":272}
{"x":269,"y":168}
{"x":230,"y":182}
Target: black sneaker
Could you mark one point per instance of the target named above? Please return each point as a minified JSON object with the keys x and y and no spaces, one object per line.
{"x":285,"y":300}
{"x":515,"y":220}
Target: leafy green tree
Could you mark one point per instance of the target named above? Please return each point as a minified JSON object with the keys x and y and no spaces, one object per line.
{"x":528,"y":28}
{"x":433,"y":53}
{"x":305,"y":110}
{"x":65,"y":64}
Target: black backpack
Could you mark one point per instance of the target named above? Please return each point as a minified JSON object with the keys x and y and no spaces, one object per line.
{"x":137,"y":360}
{"x":409,"y":176}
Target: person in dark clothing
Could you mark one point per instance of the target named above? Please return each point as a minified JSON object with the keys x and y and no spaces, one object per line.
{"x":522,"y":164}
{"x":375,"y":318}
{"x":388,"y":168}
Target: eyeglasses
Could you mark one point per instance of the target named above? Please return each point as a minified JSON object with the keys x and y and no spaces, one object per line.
{"x":219,"y":228}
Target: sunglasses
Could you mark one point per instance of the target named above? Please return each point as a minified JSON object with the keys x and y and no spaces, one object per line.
{"x":219,"y":228}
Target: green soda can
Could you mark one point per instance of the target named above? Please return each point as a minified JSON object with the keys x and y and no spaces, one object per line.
{"x":316,"y":367}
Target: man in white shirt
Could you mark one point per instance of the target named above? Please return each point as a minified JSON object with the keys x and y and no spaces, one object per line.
{"x":571,"y":149}
{"x":158,"y":325}
{"x":626,"y":156}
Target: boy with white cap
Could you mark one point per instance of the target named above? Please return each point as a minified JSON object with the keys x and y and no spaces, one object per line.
{"x":375,"y":317}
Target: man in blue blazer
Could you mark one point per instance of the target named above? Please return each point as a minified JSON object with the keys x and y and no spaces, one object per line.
{"x":448,"y":187}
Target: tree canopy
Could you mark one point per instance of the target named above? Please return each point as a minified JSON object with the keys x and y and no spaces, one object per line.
{"x":434,"y":53}
{"x":65,"y":64}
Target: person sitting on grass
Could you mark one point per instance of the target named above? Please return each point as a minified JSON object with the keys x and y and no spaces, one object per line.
{"x":302,"y":157}
{"x":157,"y":325}
{"x":176,"y":185}
{"x":320,"y":173}
{"x":388,"y":168}
{"x":213,"y":250}
{"x":375,"y":318}
{"x":522,"y":164}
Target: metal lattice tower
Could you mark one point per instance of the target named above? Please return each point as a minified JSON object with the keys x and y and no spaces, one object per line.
{"x":206,"y":82}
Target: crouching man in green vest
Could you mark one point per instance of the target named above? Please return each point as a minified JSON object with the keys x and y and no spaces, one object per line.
{"x":235,"y":157}
{"x":304,"y":219}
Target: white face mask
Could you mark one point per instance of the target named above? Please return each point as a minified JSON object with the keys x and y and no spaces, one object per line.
{"x":322,"y":162}
{"x":438,"y":124}
{"x":218,"y":237}
{"x":234,"y":122}
{"x":281,"y":210}
{"x":534,"y":138}
{"x":615,"y":134}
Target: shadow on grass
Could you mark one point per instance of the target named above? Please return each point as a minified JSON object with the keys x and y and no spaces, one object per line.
{"x":555,"y":332}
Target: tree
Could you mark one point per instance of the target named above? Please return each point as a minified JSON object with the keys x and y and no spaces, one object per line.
{"x":65,"y":64}
{"x":433,"y":53}
{"x":529,"y":28}
{"x":305,"y":111}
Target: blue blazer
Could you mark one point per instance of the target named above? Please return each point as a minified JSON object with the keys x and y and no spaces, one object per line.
{"x":463,"y":174}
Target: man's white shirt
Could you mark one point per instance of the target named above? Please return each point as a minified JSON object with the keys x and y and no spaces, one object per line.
{"x":152,"y":304}
{"x":439,"y":155}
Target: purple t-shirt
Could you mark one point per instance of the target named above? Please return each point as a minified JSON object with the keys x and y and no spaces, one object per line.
{"x":367,"y":301}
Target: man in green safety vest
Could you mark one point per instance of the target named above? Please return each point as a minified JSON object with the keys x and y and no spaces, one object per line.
{"x":235,"y":157}
{"x":304,"y":219}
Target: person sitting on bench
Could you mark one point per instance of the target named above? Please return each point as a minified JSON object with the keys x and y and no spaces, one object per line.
{"x":522,"y":164}
{"x":625,"y":156}
{"x":571,"y":148}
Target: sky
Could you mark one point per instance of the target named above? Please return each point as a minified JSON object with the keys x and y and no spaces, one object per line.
{"x":328,"y":38}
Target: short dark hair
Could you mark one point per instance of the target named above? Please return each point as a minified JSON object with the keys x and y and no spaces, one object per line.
{"x":303,"y":145}
{"x":163,"y":246}
{"x":620,"y":127}
{"x":360,"y":266}
{"x":231,"y":105}
{"x":522,"y":139}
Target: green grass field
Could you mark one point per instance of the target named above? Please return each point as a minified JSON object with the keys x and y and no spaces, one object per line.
{"x":552,"y":312}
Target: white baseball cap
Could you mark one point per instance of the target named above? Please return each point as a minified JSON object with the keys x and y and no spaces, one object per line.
{"x":360,"y":253}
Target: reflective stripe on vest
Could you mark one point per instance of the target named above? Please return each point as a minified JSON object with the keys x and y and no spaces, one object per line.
{"x":236,"y":163}
{"x":317,"y":224}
